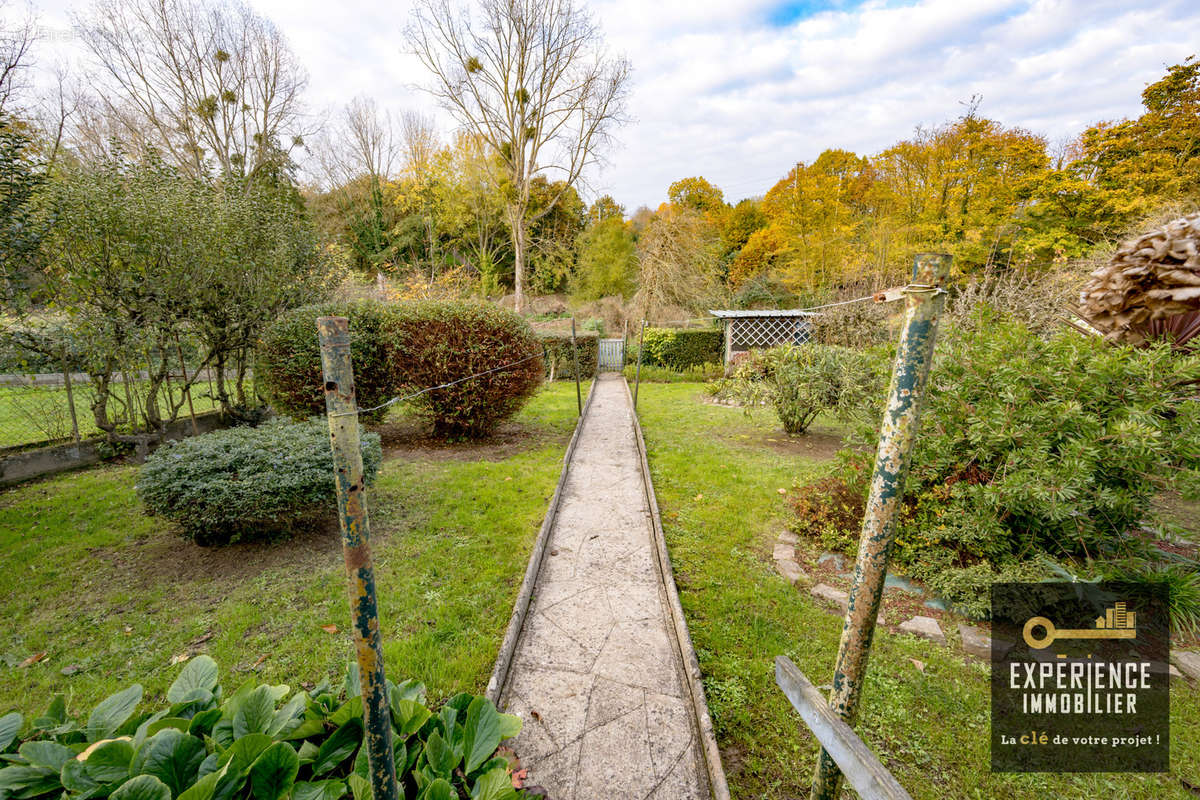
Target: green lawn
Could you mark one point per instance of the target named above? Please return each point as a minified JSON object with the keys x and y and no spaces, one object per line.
{"x":112,"y":596}
{"x":717,"y":475}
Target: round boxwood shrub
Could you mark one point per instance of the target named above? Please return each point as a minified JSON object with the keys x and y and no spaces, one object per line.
{"x":288,"y":366}
{"x":437,"y":342}
{"x":247,"y":482}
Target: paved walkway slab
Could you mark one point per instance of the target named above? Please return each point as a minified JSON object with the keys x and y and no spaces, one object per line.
{"x":596,"y":674}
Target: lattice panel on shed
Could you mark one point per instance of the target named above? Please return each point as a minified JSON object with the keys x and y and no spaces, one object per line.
{"x":747,"y":332}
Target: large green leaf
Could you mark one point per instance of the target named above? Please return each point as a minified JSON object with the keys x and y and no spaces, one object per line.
{"x":75,"y":779}
{"x":510,"y":726}
{"x":45,"y":754}
{"x":21,"y":781}
{"x":438,"y":790}
{"x":242,"y":753}
{"x":10,"y":726}
{"x":481,"y":735}
{"x":274,"y":772}
{"x":112,"y":712}
{"x":289,"y":716}
{"x":494,"y":785}
{"x":173,"y":757}
{"x":338,"y":747}
{"x":110,"y":761}
{"x":199,"y":673}
{"x":408,"y":715}
{"x":441,"y":756}
{"x":318,"y":790}
{"x":255,"y":714}
{"x":203,"y":789}
{"x":141,"y":787}
{"x":360,"y":787}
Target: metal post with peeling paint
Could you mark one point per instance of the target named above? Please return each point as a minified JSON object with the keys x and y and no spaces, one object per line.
{"x":341,"y":406}
{"x":925,"y":299}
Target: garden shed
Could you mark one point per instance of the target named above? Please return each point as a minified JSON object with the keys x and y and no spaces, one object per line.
{"x":745,"y":330}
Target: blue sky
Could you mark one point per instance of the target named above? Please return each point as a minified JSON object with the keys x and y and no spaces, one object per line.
{"x":740,"y":90}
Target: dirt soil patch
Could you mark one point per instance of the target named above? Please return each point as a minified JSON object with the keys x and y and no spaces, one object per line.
{"x":409,"y":438}
{"x":816,"y":444}
{"x":168,"y":557}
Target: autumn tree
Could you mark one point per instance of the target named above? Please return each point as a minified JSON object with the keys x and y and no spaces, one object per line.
{"x":608,"y":261}
{"x":677,"y":262}
{"x":697,"y":194}
{"x":604,"y":207}
{"x":532,"y":79}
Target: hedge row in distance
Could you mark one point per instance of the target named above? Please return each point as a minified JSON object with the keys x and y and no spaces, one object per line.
{"x":680,"y":349}
{"x":559,"y":362}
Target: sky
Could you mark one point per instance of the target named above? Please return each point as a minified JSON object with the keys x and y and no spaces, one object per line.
{"x":738,"y":91}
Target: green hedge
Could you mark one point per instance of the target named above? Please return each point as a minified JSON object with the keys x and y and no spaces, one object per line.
{"x":680,"y":349}
{"x":402,"y":348}
{"x":558,"y":354}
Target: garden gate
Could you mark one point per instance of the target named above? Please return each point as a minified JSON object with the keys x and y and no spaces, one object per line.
{"x":612,"y":355}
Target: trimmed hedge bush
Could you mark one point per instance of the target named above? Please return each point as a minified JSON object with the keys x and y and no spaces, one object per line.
{"x":405,"y":347}
{"x":247,"y":482}
{"x":261,"y":742}
{"x":288,"y":366}
{"x":559,"y":364}
{"x":437,"y":341}
{"x":680,"y":349}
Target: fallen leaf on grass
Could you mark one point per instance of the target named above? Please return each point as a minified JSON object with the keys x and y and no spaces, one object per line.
{"x":920,"y":665}
{"x":179,"y":658}
{"x":201,"y":639}
{"x":699,"y":497}
{"x":260,"y":660}
{"x":782,"y":491}
{"x":330,"y":628}
{"x":33,"y":659}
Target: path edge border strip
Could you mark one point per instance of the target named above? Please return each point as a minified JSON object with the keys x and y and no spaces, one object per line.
{"x":683,"y":639}
{"x":499,"y":676}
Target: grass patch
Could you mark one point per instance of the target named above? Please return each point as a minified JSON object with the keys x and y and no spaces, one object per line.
{"x":717,"y":478}
{"x":111,"y":595}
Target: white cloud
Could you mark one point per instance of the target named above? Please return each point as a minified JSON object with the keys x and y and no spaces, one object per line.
{"x":719,"y":91}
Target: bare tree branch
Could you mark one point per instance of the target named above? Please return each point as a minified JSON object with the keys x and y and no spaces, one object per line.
{"x":532,"y":79}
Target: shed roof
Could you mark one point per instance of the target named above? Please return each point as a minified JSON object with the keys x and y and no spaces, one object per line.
{"x":763,"y":312}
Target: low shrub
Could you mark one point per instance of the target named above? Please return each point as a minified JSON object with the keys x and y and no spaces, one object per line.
{"x":247,"y":482}
{"x":436,"y":342}
{"x":1037,"y":449}
{"x":559,"y":362}
{"x":288,"y":366}
{"x":262,"y":742}
{"x":802,"y":381}
{"x":679,"y":348}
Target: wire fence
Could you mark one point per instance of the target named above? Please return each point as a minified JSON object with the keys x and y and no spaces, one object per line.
{"x":49,"y":408}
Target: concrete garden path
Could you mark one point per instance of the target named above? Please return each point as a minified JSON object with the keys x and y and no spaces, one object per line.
{"x":597,"y":674}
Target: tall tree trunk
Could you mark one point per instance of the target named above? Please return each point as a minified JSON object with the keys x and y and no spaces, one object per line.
{"x":516,"y":224}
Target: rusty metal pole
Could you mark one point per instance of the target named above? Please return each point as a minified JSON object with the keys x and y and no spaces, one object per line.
{"x":575,"y":362}
{"x":341,"y":406}
{"x":925,"y":299}
{"x":637,"y":376}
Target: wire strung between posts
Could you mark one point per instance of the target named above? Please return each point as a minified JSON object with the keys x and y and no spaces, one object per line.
{"x":427,"y":390}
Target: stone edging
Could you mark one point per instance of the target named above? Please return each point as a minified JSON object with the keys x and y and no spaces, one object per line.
{"x":683,"y":640}
{"x":499,"y":675}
